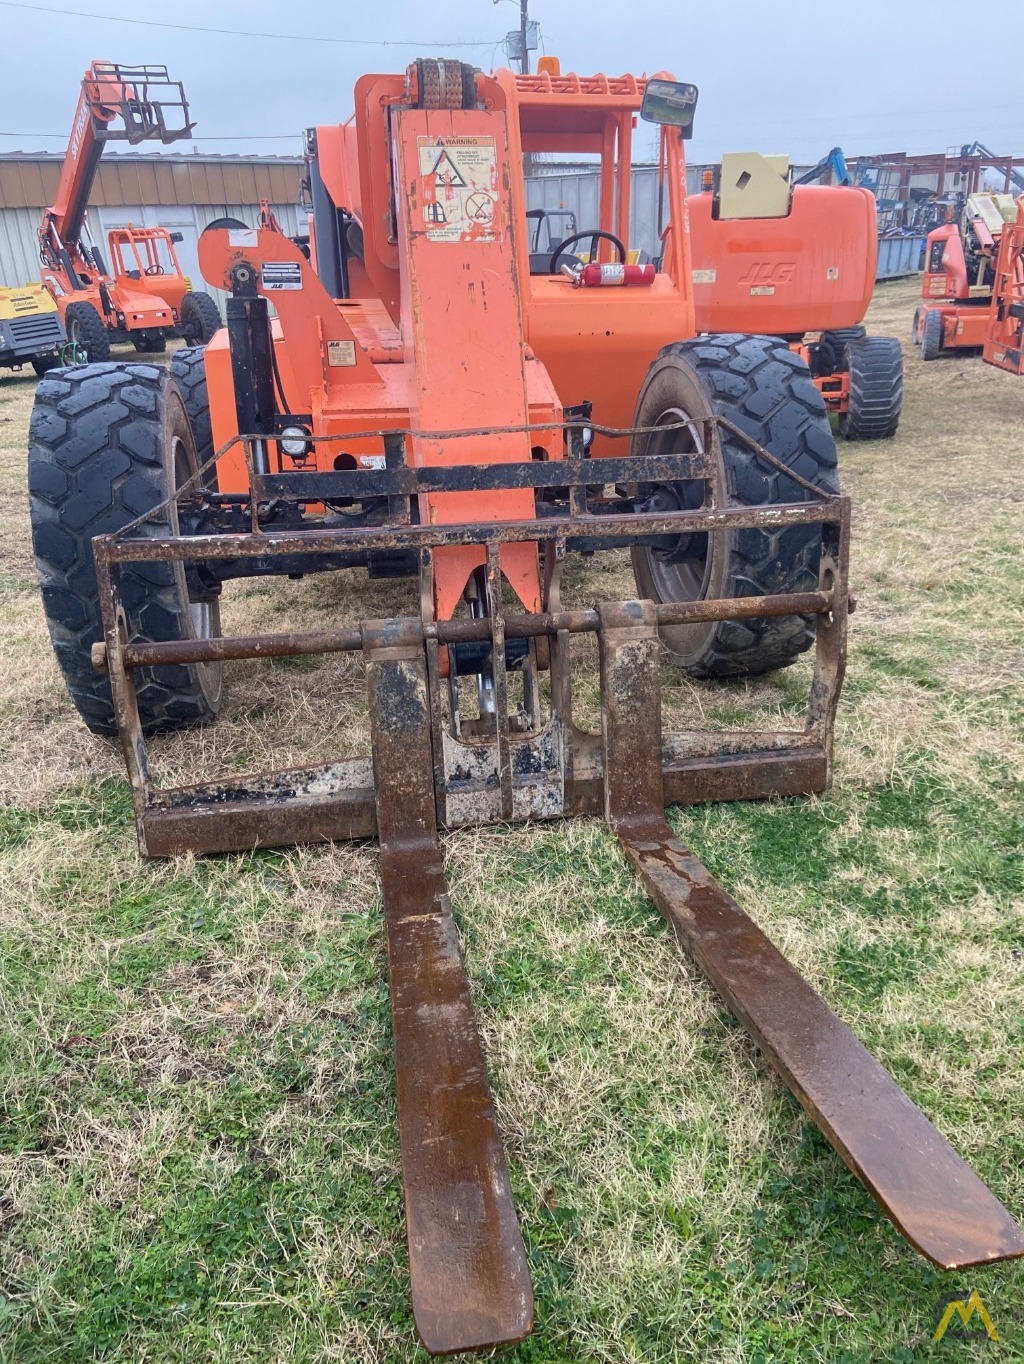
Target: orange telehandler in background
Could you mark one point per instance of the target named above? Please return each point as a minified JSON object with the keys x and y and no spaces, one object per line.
{"x":440,"y":402}
{"x":798,"y":261}
{"x":142,"y":297}
{"x":973,"y":284}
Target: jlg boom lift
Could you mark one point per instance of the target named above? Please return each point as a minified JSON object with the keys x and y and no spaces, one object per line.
{"x":797,"y":260}
{"x":435,"y":403}
{"x":972,"y":288}
{"x":143,"y":297}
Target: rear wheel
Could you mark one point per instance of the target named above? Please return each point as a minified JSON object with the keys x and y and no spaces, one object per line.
{"x":86,"y":332}
{"x":875,"y":366}
{"x":200,"y":318}
{"x":767,"y":391}
{"x":931,"y":335}
{"x":915,"y":327}
{"x":106,"y":444}
{"x":42,"y":364}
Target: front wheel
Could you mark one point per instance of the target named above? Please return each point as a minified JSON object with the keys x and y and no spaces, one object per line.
{"x":106,"y":444}
{"x":200,"y":318}
{"x":87,"y":332}
{"x":931,"y":335}
{"x":767,"y":391}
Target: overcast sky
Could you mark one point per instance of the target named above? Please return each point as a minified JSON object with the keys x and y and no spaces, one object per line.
{"x":793,"y":76}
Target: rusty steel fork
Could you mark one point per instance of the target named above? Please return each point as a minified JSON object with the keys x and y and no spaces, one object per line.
{"x":471,"y":1284}
{"x":470,"y":1279}
{"x":933,"y":1197}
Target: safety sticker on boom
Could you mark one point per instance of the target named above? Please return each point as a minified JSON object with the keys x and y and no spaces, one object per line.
{"x":459,"y":182}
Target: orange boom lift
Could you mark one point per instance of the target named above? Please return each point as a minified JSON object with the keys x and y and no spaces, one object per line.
{"x":798,"y":261}
{"x":438,"y":402}
{"x":973,"y":284}
{"x":142,"y":297}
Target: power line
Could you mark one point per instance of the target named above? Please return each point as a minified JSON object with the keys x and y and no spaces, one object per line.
{"x":210,"y":137}
{"x":239,"y":32}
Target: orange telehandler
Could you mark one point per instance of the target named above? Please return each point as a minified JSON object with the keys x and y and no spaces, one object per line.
{"x":143,"y":297}
{"x":441,"y":403}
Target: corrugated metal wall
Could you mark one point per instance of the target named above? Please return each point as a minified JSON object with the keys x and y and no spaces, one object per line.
{"x":579,"y":194}
{"x":28,"y":181}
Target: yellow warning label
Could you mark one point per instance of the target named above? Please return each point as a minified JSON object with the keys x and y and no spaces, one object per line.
{"x":459,"y":188}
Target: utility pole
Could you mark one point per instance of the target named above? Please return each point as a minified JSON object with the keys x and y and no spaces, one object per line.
{"x":524,"y":19}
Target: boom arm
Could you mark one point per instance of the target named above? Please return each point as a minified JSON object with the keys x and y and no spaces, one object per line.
{"x":147,"y":104}
{"x":835,"y":162}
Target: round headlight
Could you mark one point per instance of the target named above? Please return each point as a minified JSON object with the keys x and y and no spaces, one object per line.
{"x":294,"y":441}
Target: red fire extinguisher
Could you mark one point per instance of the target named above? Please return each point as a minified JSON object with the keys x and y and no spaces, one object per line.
{"x":592,"y":276}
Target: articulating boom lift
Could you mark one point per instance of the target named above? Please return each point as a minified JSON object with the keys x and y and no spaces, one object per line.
{"x":797,"y":260}
{"x":450,"y":409}
{"x":144,"y":297}
{"x":973,"y":284}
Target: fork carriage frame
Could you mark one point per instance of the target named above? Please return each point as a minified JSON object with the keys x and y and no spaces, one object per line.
{"x":469,"y":1273}
{"x":552,"y":770}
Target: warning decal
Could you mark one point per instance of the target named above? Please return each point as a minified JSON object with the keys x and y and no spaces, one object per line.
{"x":459,"y":188}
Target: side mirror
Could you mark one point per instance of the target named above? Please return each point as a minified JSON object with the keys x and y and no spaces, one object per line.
{"x":670,"y":102}
{"x":177,"y":237}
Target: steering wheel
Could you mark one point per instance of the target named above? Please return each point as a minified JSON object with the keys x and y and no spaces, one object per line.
{"x":155,"y":270}
{"x":593,"y":234}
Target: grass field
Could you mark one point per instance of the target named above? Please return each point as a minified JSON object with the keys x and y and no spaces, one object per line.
{"x":198,"y":1156}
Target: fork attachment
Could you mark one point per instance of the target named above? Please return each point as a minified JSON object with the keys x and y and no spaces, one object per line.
{"x":471,"y":1284}
{"x":934,"y":1198}
{"x":469,"y":1274}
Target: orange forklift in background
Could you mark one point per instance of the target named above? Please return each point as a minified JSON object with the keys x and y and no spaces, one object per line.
{"x":798,"y":261}
{"x":143,"y":298}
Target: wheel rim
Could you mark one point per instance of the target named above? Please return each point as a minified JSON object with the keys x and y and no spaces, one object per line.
{"x":683,"y":572}
{"x":201,"y":614}
{"x":75,"y":332}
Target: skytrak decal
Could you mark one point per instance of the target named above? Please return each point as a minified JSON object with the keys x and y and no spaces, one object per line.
{"x":459,"y":188}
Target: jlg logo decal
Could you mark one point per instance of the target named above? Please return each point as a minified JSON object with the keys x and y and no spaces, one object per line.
{"x":770,"y":272}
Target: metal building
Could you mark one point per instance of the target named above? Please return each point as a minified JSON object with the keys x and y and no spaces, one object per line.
{"x":180,"y":192}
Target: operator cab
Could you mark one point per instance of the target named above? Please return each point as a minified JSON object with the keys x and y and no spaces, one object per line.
{"x":596,"y":152}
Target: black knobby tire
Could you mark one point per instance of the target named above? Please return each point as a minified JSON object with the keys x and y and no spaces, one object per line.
{"x":915,"y":327}
{"x":832,"y":347}
{"x":85,"y":328}
{"x":200,"y":317}
{"x":188,"y":371}
{"x":767,"y":391}
{"x":107,"y":443}
{"x":931,"y":335}
{"x":42,"y":364}
{"x":875,"y":366}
